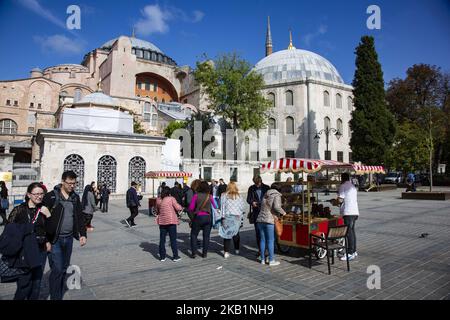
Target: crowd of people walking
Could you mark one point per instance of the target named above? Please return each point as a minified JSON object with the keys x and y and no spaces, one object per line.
{"x":48,"y":223}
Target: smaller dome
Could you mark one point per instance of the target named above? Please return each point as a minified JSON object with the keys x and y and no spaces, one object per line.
{"x":97,"y":98}
{"x":36,"y":69}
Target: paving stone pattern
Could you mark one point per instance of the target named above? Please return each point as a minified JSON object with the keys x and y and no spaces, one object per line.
{"x":122,"y":263}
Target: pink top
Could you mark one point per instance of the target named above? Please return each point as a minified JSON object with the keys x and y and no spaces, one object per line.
{"x":167,"y":209}
{"x":194,"y":201}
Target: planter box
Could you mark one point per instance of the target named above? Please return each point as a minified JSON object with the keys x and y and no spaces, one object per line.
{"x":426,"y":195}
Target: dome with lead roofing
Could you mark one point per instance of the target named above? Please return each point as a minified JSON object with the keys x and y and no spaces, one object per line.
{"x":296,"y":64}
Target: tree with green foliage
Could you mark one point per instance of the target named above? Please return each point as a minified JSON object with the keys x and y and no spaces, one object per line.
{"x":373,"y":125}
{"x":423,"y":97}
{"x":174,"y":125}
{"x":410,"y":148}
{"x":233,"y":91}
{"x":137,"y":127}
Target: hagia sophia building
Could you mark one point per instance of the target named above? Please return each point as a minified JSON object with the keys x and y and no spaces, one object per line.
{"x":133,"y":77}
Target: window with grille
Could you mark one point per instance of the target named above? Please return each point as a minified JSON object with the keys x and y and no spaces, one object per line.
{"x":340,"y":156}
{"x":107,"y":172}
{"x":327,"y":155}
{"x":136,"y":171}
{"x":75,"y":163}
{"x":8,"y":126}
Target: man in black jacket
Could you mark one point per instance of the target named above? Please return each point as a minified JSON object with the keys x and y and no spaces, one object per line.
{"x":255,"y":195}
{"x":65,"y":223}
{"x":133,"y":204}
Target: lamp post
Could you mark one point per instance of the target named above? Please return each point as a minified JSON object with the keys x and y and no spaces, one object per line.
{"x":327,"y":131}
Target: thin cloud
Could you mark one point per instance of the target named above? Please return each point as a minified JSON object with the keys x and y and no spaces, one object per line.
{"x":36,"y":7}
{"x":156,"y":19}
{"x":60,"y":44}
{"x":310,"y":36}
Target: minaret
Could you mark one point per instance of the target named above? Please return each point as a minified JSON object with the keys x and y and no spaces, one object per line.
{"x":133,"y":35}
{"x":268,"y":38}
{"x":291,"y":46}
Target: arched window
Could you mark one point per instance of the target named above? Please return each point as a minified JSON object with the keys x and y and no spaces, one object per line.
{"x":326,"y":99}
{"x":339,"y":126}
{"x":271,"y":97}
{"x":8,"y":126}
{"x":136,"y":171}
{"x":350,"y":103}
{"x":272,"y":126}
{"x":106,"y":172}
{"x":349,"y":131}
{"x":77,"y":95}
{"x":289,"y":125}
{"x":75,"y":163}
{"x":326,"y":123}
{"x":338,"y":101}
{"x":289,"y":98}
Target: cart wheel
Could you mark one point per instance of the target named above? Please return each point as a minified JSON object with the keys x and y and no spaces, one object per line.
{"x":153,"y":211}
{"x":320,"y":252}
{"x":283,"y":248}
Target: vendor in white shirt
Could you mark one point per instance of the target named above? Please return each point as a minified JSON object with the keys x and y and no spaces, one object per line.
{"x":348,"y":202}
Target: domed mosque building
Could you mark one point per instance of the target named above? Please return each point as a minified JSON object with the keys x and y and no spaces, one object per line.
{"x":308,"y":96}
{"x":83,"y":116}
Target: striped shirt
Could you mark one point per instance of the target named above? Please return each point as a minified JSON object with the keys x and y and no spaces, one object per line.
{"x":167,"y":209}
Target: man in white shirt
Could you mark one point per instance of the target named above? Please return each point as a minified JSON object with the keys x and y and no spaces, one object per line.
{"x":347,"y":198}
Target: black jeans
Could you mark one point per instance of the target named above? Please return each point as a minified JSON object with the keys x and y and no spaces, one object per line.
{"x":29,"y":284}
{"x":172,"y":230}
{"x":258,"y":237}
{"x":351,"y":235}
{"x":104,"y":206}
{"x":3,"y":215}
{"x":227,"y":243}
{"x":88,"y":218}
{"x":134,"y":212}
{"x":200,"y":223}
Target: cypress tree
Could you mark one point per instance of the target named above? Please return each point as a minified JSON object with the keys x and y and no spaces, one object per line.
{"x":372,"y":123}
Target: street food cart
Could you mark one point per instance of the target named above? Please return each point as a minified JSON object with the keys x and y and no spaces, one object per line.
{"x":162,"y":175}
{"x":306,"y":213}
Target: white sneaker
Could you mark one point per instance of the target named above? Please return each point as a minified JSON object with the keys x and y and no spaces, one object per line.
{"x":274,"y":263}
{"x":237,"y":251}
{"x":350,"y":257}
{"x":226,"y":255}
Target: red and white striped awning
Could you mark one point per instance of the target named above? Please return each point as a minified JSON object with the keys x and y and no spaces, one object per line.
{"x":311,"y":166}
{"x":167,"y":174}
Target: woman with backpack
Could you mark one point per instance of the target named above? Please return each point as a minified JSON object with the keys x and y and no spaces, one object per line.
{"x":88,"y":205}
{"x":29,"y":284}
{"x":232,"y":208}
{"x":200,"y":209}
{"x":167,"y":219}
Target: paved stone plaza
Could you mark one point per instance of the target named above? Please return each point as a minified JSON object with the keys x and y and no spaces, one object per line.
{"x":122,"y":263}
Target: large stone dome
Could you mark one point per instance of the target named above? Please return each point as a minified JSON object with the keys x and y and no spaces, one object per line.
{"x":296,"y":64}
{"x":135,"y":43}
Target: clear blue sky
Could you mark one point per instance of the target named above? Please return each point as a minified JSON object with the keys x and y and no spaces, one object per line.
{"x":33,"y":32}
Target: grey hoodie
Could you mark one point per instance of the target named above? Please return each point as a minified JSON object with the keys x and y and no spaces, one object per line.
{"x":271,"y":204}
